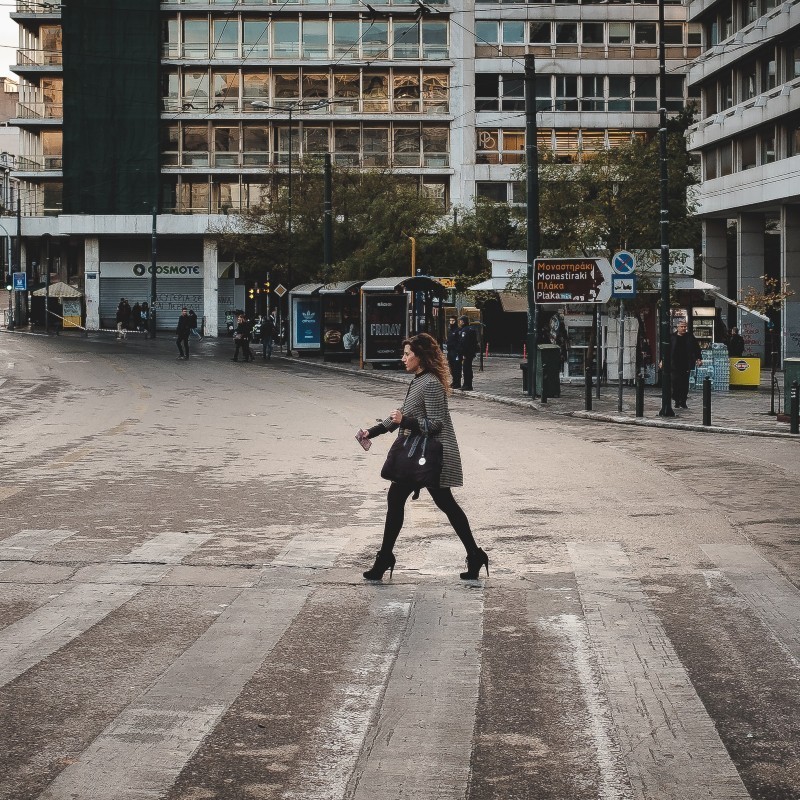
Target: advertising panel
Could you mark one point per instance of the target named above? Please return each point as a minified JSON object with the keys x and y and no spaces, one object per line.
{"x":306,"y":314}
{"x":385,"y":325}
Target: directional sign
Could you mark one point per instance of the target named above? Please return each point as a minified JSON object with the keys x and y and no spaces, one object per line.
{"x":571,"y":280}
{"x":20,"y":282}
{"x":623,"y":287}
{"x":280,"y":290}
{"x":623,"y":263}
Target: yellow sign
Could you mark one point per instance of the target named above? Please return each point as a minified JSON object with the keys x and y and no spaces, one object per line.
{"x":448,"y":283}
{"x":745,"y":372}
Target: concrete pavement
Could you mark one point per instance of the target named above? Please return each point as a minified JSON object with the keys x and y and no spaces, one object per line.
{"x":499,"y":379}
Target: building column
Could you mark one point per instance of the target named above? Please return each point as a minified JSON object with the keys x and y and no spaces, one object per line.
{"x":210,"y":286}
{"x":91,"y":282}
{"x":715,"y":258}
{"x":462,"y":104}
{"x":750,"y":268}
{"x":790,"y":273}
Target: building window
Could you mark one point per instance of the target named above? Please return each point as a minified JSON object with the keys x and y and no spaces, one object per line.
{"x":619,"y":33}
{"x":376,"y":147}
{"x":195,"y":146}
{"x":492,"y":191}
{"x":226,"y":146}
{"x":286,"y":39}
{"x":315,"y":86}
{"x":195,"y":38}
{"x":194,"y":196}
{"x":726,"y":159}
{"x":406,"y":95}
{"x":514,"y":32}
{"x":255,"y":38}
{"x":592,"y":32}
{"x":513,"y":93}
{"x":487,"y":92}
{"x":619,"y":93}
{"x":376,"y":92}
{"x":539,"y":32}
{"x":645,"y":95}
{"x":488,"y":146}
{"x":316,"y":140}
{"x":195,"y":91}
{"x":287,"y":88}
{"x":513,"y":147}
{"x":673,"y":92}
{"x":255,"y":86}
{"x":767,"y":146}
{"x":255,"y":145}
{"x":566,"y":93}
{"x":375,"y":40}
{"x":315,"y":39}
{"x":592,"y":98}
{"x":645,"y":32}
{"x":226,"y":90}
{"x":170,"y":45}
{"x":434,"y":146}
{"x":225,"y":42}
{"x":406,"y":146}
{"x":346,"y":146}
{"x":710,"y":165}
{"x":673,"y":34}
{"x":566,"y":32}
{"x":345,"y":38}
{"x":435,"y":92}
{"x":170,"y":145}
{"x":544,"y":93}
{"x":405,"y":39}
{"x":747,"y":150}
{"x":486,"y":32}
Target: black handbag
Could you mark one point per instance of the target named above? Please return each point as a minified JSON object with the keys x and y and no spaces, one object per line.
{"x":414,"y":460}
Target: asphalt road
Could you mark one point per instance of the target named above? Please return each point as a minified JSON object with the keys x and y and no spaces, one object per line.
{"x":182,"y":613}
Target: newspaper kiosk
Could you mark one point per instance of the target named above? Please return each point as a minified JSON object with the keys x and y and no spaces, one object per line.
{"x":341,"y":320}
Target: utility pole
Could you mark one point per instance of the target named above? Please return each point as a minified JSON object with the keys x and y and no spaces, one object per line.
{"x":327,"y":218}
{"x":153,"y":294}
{"x":532,"y":175}
{"x":664,"y":326}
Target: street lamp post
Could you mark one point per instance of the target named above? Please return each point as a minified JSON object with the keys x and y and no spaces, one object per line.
{"x":153,"y":261}
{"x":10,"y":270}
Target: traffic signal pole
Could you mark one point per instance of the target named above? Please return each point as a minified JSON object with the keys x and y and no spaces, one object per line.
{"x":532,"y":174}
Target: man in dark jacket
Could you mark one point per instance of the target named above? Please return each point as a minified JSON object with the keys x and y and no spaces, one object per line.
{"x":685,"y":353}
{"x":241,"y":336}
{"x":454,"y":353}
{"x":468,"y":349}
{"x":268,"y":331}
{"x":735,"y":344}
{"x":183,"y":329}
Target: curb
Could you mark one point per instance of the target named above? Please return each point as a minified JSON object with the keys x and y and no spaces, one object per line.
{"x":529,"y":405}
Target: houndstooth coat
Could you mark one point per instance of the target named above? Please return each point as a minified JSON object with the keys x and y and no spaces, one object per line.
{"x":426,"y":398}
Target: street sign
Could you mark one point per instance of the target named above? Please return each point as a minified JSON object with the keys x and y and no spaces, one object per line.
{"x":623,"y":263}
{"x":20,"y":282}
{"x":280,"y":290}
{"x":623,"y":287}
{"x":571,"y":280}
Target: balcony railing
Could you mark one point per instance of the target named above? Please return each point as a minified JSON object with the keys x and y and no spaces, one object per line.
{"x":38,"y":7}
{"x":40,"y":110}
{"x":39,"y":58}
{"x":39,"y":163}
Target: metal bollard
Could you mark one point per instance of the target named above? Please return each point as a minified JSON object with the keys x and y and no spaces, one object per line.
{"x":588,"y":401}
{"x":794,"y":409}
{"x":707,"y":402}
{"x":544,"y":384}
{"x":639,"y":396}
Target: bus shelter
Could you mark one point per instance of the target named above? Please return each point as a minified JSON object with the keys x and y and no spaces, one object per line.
{"x":391,"y":308}
{"x":341,"y":320}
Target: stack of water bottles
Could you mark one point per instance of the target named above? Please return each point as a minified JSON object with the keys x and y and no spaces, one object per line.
{"x":715,"y":366}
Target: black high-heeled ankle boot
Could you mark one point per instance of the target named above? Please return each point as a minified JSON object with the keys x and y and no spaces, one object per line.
{"x":475,"y":561}
{"x":383,"y":561}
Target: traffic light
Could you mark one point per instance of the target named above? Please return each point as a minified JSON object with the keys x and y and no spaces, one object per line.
{"x":9,"y":281}
{"x":266,"y":286}
{"x":251,"y":293}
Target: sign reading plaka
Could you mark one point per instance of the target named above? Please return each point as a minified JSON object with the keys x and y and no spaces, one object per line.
{"x":571,"y":280}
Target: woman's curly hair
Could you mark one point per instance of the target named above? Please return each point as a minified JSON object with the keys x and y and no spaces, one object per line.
{"x":431,"y":357}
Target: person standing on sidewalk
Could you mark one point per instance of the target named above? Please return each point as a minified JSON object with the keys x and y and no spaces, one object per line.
{"x":268,"y":331}
{"x":686,"y":354}
{"x":241,"y":336}
{"x":468,"y":349}
{"x":454,"y":353}
{"x":425,"y":408}
{"x":182,"y":331}
{"x":735,"y":344}
{"x":193,"y":321}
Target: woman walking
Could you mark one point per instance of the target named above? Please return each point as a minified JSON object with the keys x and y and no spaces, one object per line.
{"x":425,"y":406}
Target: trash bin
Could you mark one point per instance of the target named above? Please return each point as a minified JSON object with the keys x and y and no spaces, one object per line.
{"x":791,"y":372}
{"x":548,"y":368}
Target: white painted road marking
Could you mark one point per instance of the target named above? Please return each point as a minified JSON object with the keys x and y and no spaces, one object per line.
{"x":140,"y":754}
{"x":668,"y":740}
{"x":774,"y":598}
{"x":421,"y":744}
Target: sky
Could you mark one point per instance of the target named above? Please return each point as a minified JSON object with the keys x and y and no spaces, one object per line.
{"x":9,"y":40}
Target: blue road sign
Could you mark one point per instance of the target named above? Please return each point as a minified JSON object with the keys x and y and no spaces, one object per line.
{"x":20,"y":282}
{"x":623,"y":263}
{"x":623,"y":287}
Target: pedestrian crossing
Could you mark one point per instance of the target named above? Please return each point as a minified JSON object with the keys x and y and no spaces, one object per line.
{"x":305,"y":683}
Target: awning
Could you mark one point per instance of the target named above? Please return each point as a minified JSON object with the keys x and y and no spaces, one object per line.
{"x":59,"y":291}
{"x":492,"y":285}
{"x":340,"y":287}
{"x":513,"y":303}
{"x":306,"y":289}
{"x":418,"y":283}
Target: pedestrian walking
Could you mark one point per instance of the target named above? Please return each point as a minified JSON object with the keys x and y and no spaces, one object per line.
{"x":241,"y":336}
{"x":685,"y":354}
{"x":193,"y":322}
{"x":182,"y":331}
{"x":144,"y":319}
{"x":454,"y":353}
{"x":268,"y":330}
{"x":425,"y":410}
{"x":468,"y":349}
{"x":120,"y":319}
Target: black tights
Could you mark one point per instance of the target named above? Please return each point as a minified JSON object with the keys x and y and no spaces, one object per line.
{"x":397,"y":496}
